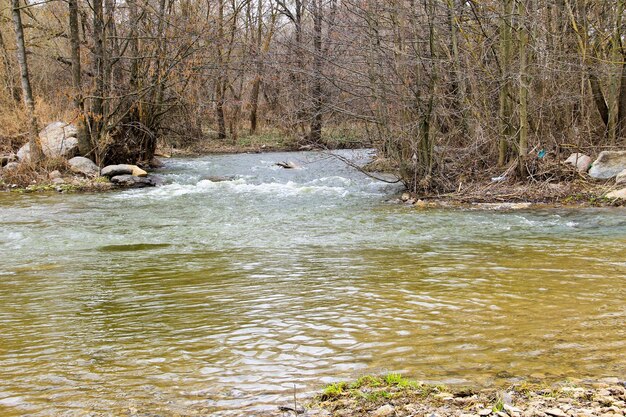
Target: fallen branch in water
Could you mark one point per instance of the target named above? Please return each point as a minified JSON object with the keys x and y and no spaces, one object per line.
{"x":360,"y":169}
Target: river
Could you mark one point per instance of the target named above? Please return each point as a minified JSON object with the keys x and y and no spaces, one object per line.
{"x":216,"y":298}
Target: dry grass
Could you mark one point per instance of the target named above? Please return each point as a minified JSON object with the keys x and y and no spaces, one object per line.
{"x":27,"y":174}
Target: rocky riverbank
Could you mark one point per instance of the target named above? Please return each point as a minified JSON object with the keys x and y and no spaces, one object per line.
{"x":395,"y":396}
{"x":576,"y":181}
{"x":63,"y":170}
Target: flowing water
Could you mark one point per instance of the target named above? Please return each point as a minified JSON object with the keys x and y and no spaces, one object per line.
{"x":215,"y":298}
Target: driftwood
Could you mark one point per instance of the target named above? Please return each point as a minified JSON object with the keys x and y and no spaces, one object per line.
{"x":288,"y":165}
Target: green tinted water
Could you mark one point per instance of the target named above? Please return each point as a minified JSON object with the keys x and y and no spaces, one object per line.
{"x":215,"y":298}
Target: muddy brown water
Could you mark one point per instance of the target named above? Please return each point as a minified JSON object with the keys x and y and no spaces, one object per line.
{"x":215,"y":298}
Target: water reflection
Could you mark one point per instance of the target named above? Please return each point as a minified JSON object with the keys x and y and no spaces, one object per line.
{"x":220,"y":298}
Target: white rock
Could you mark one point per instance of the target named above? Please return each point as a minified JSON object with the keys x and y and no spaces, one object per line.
{"x":138,"y":172}
{"x":555,"y":412}
{"x":617,"y":194}
{"x":621,"y":178}
{"x":608,"y":164}
{"x":123,"y":169}
{"x":58,"y":140}
{"x":384,"y":411}
{"x":581,"y":161}
{"x":81,"y":165}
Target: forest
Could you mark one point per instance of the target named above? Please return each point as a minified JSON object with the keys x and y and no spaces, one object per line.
{"x":444,"y":89}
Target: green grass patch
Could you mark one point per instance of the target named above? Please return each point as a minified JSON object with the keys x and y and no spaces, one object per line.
{"x":371,"y":389}
{"x":334,"y":390}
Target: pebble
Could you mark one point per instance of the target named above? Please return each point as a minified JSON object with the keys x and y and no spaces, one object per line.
{"x":384,"y":411}
{"x":511,"y":410}
{"x":484,"y":412}
{"x":610,"y":380}
{"x":556,"y":412}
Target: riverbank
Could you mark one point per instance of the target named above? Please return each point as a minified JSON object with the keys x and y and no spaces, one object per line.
{"x":518,"y":195}
{"x":270,"y":141}
{"x":479,"y":192}
{"x":393,"y":395}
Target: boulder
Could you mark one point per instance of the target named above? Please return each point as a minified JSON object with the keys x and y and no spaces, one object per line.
{"x":608,"y":165}
{"x":581,"y":161}
{"x":58,"y":140}
{"x":621,"y":178}
{"x":122,"y":169}
{"x":115,"y":170}
{"x":5,"y":159}
{"x":132,"y":181}
{"x":138,"y":172}
{"x":85,"y":166}
{"x":620,"y":194}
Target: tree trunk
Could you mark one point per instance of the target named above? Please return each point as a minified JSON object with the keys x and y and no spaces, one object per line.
{"x":598,"y":97}
{"x":256,"y":85}
{"x":315,"y":135}
{"x":459,"y":87}
{"x":506,"y":107}
{"x":220,"y":88}
{"x":36,"y":154}
{"x":97,"y":116}
{"x":84,"y":144}
{"x":621,"y":116}
{"x":523,"y":87}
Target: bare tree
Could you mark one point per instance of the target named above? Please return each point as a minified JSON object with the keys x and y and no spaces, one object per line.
{"x":36,"y":154}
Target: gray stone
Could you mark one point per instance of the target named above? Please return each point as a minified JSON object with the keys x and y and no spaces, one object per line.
{"x":485,"y":412}
{"x":58,"y":140}
{"x":55,"y":174}
{"x":621,"y":194}
{"x":555,"y":412}
{"x":58,"y":181}
{"x":621,"y":178}
{"x":5,"y":159}
{"x":115,"y":170}
{"x":608,"y":165}
{"x":511,"y":410}
{"x":581,"y":161}
{"x":156,"y":163}
{"x":85,"y":166}
{"x":11,"y":166}
{"x":156,"y":180}
{"x":386,"y":410}
{"x":132,"y":181}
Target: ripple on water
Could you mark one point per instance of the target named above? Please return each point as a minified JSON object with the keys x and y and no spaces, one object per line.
{"x":212,"y":298}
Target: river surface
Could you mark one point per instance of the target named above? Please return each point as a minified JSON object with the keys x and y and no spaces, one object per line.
{"x":216,"y":298}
